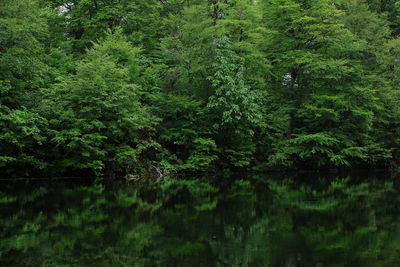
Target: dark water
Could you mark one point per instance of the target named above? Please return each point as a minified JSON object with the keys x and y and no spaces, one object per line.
{"x":188,"y":223}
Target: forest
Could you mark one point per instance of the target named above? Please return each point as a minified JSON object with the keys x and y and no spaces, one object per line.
{"x":146,"y":89}
{"x":200,"y":133}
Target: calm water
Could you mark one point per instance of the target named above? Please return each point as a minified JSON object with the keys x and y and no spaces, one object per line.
{"x":188,"y":223}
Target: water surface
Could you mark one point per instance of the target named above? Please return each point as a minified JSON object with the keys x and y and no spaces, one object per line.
{"x":189,"y":223}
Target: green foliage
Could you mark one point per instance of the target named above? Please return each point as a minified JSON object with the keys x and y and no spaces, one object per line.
{"x":389,"y":58}
{"x":232,"y":99}
{"x":366,"y":24}
{"x":390,"y":8}
{"x":157,"y":88}
{"x":321,"y":87}
{"x":87,"y":21}
{"x":22,"y":70}
{"x":22,"y":132}
{"x":100,"y":121}
{"x":184,"y":132}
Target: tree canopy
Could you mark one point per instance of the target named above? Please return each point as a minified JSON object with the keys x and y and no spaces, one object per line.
{"x":144,"y":88}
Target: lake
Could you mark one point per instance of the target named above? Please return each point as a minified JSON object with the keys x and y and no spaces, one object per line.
{"x":334,"y":221}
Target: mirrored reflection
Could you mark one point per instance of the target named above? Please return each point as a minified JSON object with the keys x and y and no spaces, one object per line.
{"x":189,"y":223}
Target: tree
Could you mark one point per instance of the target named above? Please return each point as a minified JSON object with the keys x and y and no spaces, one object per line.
{"x":213,"y":54}
{"x":391,"y":9}
{"x":320,"y":88}
{"x":23,"y":70}
{"x":86,"y":21}
{"x":233,"y":107}
{"x":100,"y":124}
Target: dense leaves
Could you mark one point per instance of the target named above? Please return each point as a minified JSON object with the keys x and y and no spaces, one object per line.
{"x":150,"y":89}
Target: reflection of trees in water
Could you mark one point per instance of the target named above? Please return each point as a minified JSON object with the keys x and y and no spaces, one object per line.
{"x":242,"y":248}
{"x":283,"y":225}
